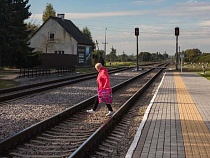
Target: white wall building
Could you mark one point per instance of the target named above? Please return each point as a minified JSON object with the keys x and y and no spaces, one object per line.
{"x":60,"y":36}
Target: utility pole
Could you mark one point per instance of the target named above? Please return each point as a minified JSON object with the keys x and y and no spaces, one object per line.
{"x":105,"y":48}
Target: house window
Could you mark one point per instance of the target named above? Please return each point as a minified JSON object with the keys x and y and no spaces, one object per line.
{"x":51,"y":36}
{"x":59,"y":52}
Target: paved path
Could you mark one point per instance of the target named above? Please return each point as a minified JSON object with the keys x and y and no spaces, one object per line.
{"x":177,"y":122}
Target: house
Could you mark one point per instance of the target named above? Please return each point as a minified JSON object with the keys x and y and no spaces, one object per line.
{"x":61,"y":43}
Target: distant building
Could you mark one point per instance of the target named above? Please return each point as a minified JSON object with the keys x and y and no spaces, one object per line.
{"x":61,"y":43}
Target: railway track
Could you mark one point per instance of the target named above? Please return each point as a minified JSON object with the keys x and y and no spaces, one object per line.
{"x":116,"y":142}
{"x":22,"y":91}
{"x":107,"y":138}
{"x":61,"y":135}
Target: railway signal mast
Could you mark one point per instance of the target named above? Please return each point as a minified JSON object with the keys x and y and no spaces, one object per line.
{"x":177,"y":34}
{"x":105,"y":43}
{"x":137,"y":34}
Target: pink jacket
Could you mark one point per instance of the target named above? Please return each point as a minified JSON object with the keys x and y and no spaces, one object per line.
{"x":103,"y":79}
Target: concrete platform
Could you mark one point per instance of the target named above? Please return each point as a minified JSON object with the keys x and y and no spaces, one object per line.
{"x":177,"y":121}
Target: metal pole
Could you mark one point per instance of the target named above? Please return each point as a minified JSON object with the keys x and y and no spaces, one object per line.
{"x":177,"y":60}
{"x":105,"y":45}
{"x":137,"y":58}
{"x":181,"y":64}
{"x":137,"y":50}
{"x":105,"y":48}
{"x":1,"y":56}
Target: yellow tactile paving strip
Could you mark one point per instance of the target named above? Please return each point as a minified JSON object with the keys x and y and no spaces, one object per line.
{"x":195,"y":132}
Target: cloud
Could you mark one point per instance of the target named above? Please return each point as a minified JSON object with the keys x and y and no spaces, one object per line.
{"x":96,"y":14}
{"x":146,"y":2}
{"x":192,"y":1}
{"x":156,"y":26}
{"x":104,"y":14}
{"x":187,"y":9}
{"x":38,"y":17}
{"x":205,"y":23}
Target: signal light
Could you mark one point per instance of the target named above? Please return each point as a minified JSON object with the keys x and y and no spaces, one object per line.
{"x":176,"y":31}
{"x":136,"y":31}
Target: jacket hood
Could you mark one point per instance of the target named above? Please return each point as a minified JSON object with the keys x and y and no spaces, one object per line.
{"x":103,"y":69}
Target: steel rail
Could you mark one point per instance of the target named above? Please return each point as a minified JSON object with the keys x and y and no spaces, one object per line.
{"x":31,"y":131}
{"x":6,"y":90}
{"x":40,"y":87}
{"x":85,"y":149}
{"x":39,"y":127}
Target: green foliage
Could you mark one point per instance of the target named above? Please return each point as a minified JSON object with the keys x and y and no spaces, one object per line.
{"x":146,"y":56}
{"x":165,"y":56}
{"x":7,"y":83}
{"x":49,"y":11}
{"x":30,"y":60}
{"x":32,"y":28}
{"x":195,"y":56}
{"x":123,"y":57}
{"x":191,"y":55}
{"x":206,"y":75}
{"x":204,"y":57}
{"x":87,"y":33}
{"x":13,"y":32}
{"x":118,"y":64}
{"x":112,"y":56}
{"x":97,"y":56}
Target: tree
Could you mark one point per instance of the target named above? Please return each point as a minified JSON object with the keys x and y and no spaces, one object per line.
{"x":191,"y":55}
{"x":97,"y":56}
{"x":49,"y":11}
{"x":145,"y":56}
{"x":87,"y":33}
{"x":165,"y":56}
{"x":123,"y":57}
{"x":4,"y":18}
{"x":112,"y":54}
{"x":131,"y":57}
{"x":32,"y":28}
{"x":14,"y":49}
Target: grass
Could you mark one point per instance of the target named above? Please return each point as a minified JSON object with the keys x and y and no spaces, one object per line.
{"x":4,"y":72}
{"x":206,"y":75}
{"x":7,"y":83}
{"x":4,"y":83}
{"x":118,"y":64}
{"x":85,"y":69}
{"x":108,"y":65}
{"x":198,"y":69}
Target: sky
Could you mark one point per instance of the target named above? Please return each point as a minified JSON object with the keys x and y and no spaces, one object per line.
{"x":117,"y":20}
